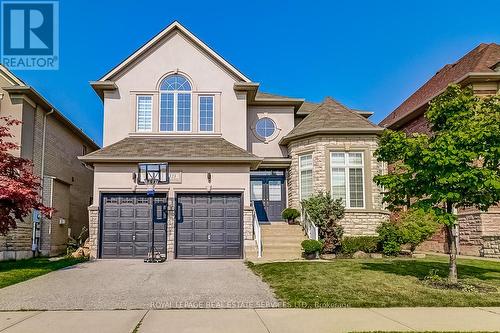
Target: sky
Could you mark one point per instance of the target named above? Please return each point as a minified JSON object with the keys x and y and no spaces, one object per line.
{"x":369,"y":55}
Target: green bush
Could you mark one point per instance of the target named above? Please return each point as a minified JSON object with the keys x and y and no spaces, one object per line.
{"x":411,"y":228}
{"x":311,"y":246}
{"x":368,"y":244}
{"x":416,"y":226}
{"x":325,"y":212}
{"x":290,"y":214}
{"x":390,"y":239}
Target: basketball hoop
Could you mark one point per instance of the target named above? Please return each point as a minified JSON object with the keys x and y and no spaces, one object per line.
{"x":152,"y":175}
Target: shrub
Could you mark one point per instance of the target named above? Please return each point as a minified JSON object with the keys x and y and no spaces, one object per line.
{"x":390,"y":239}
{"x":290,"y":214}
{"x":311,"y":246}
{"x":368,"y":244}
{"x":325,"y":213}
{"x":416,"y":226}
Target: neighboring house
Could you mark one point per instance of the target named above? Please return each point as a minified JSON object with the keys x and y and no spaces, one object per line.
{"x":480,"y":70}
{"x":230,"y":148}
{"x":52,"y":143}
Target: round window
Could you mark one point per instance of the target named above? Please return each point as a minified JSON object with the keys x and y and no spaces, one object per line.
{"x":265,"y":127}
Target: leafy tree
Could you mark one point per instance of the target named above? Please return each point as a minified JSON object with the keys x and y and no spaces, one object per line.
{"x":19,"y":187}
{"x":457,"y":166}
{"x":325,"y":212}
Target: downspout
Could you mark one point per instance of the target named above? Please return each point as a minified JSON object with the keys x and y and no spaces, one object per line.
{"x":37,"y":237}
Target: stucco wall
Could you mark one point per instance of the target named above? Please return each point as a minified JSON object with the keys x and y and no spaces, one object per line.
{"x":283,"y":117}
{"x":175,"y":53}
{"x":356,"y":221}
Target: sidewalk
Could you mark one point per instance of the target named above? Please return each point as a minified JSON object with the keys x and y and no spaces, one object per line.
{"x":255,"y":321}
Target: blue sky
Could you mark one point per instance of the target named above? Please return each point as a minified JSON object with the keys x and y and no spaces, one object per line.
{"x":367,"y":54}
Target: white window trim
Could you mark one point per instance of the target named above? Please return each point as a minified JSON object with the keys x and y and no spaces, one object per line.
{"x":137,"y":113}
{"x":346,"y":167}
{"x":199,"y":113}
{"x":175,"y":93}
{"x":300,"y":173}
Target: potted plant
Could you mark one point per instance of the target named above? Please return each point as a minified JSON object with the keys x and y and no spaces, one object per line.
{"x":311,"y":248}
{"x":290,"y":214}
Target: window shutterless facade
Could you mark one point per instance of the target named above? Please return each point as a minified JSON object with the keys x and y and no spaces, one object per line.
{"x":206,"y":114}
{"x":144,"y":113}
{"x":347,"y":178}
{"x":306,"y":176}
{"x":175,"y":104}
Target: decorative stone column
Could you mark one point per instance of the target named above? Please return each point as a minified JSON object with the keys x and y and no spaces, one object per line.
{"x":247,"y":223}
{"x":93,"y":231}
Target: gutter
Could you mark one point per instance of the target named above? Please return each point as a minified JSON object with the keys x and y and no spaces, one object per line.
{"x":35,"y":246}
{"x":348,"y":131}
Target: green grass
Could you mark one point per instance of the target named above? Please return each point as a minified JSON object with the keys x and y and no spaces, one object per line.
{"x":377,"y":282}
{"x":12,"y":272}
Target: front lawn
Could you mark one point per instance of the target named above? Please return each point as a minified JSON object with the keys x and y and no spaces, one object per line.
{"x":378,"y":282}
{"x":12,"y":272}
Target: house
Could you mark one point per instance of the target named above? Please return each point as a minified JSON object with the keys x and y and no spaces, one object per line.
{"x":236,"y":156}
{"x":52,"y":143}
{"x":480,"y":70}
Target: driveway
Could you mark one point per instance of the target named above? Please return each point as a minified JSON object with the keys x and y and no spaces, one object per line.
{"x":133,"y":284}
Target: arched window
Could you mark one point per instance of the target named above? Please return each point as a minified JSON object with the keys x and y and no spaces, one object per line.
{"x":175,"y":104}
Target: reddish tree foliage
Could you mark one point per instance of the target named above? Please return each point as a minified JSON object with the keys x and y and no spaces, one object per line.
{"x":19,"y":188}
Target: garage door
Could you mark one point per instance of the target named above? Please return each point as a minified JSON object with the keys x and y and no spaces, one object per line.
{"x":126,"y":225}
{"x":209,"y":226}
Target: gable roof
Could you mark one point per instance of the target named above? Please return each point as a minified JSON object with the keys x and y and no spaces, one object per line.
{"x":20,"y":88}
{"x":174,"y":26}
{"x":482,"y":59}
{"x":172,"y":149}
{"x":331,"y":117}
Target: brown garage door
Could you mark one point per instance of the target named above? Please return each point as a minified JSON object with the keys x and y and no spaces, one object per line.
{"x":209,"y":226}
{"x":126,"y":225}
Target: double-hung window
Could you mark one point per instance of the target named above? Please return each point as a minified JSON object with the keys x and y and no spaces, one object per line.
{"x":305,"y":176}
{"x":206,"y":113}
{"x":347,"y":178}
{"x":175,"y":104}
{"x":144,"y":113}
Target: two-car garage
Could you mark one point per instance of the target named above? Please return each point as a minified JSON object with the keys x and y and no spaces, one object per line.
{"x":207,"y":225}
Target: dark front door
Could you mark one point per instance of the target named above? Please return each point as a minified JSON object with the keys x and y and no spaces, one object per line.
{"x":209,"y":226}
{"x":267,"y":192}
{"x":126,"y":225}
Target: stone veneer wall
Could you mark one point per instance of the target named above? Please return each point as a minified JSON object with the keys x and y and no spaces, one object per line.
{"x":93,"y":231}
{"x":356,"y":222}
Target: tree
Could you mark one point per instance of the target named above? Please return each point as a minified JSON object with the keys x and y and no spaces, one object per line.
{"x":19,"y":190}
{"x":457,"y":166}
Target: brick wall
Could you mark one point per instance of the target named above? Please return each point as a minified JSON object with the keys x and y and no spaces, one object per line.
{"x":62,"y":147}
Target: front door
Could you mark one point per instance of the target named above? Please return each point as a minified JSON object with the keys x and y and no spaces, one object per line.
{"x":267,"y":192}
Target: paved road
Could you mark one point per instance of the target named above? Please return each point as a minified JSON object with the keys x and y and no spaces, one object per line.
{"x":255,"y":321}
{"x":133,"y":284}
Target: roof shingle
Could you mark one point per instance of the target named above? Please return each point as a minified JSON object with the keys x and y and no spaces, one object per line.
{"x":479,"y":60}
{"x":144,"y":149}
{"x":331,"y":117}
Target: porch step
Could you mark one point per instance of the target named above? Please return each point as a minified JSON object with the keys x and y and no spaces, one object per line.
{"x":281,"y":241}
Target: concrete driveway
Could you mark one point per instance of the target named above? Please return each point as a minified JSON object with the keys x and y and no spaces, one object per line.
{"x":133,"y":284}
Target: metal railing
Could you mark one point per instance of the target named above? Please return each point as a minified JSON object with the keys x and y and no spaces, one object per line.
{"x":257,"y":233}
{"x":310,"y":228}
